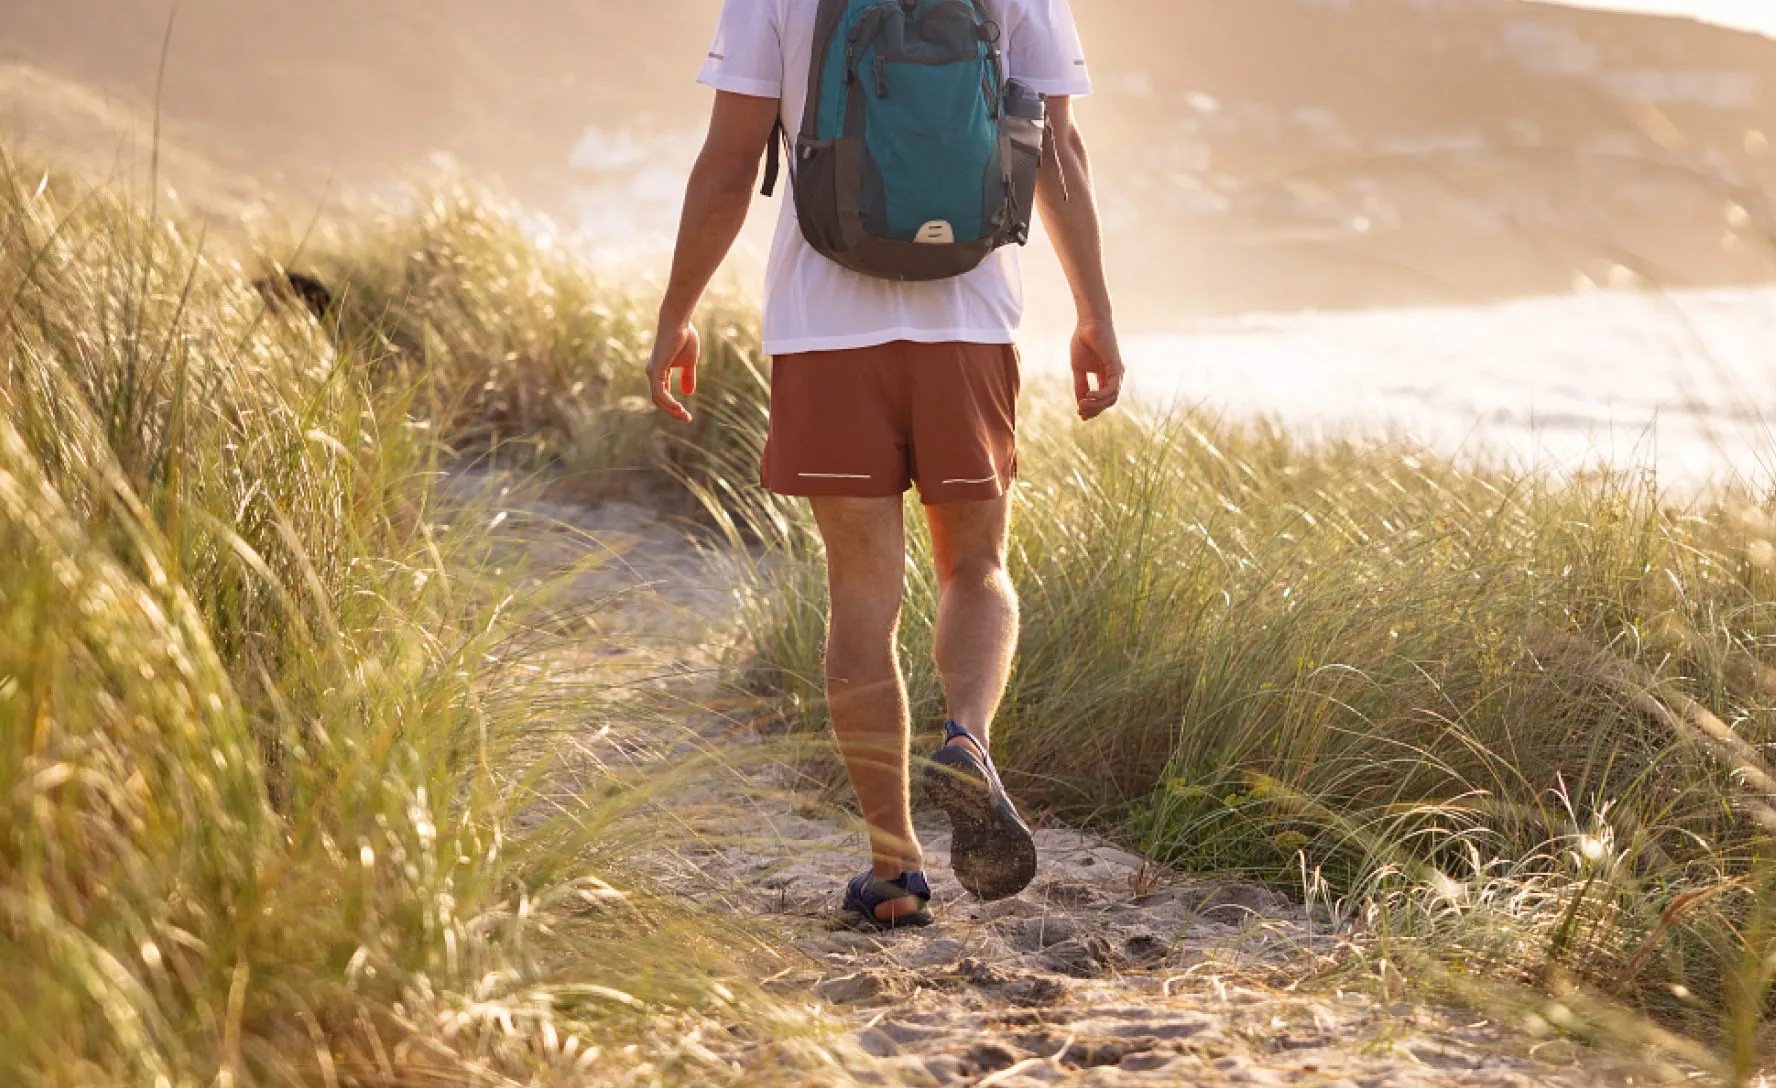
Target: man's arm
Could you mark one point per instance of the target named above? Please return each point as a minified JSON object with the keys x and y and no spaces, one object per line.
{"x":1069,"y":207}
{"x":716,"y":201}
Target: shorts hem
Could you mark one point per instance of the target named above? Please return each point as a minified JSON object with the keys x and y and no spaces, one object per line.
{"x":834,"y":489}
{"x":939,"y":495}
{"x":950,"y":494}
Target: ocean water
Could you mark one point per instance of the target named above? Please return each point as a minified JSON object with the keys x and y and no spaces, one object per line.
{"x":1682,"y":382}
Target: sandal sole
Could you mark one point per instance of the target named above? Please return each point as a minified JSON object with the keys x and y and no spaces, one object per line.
{"x":991,"y":851}
{"x":868,"y":923}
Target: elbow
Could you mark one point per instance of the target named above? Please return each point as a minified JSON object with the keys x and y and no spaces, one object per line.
{"x":727,"y":177}
{"x":739,"y":174}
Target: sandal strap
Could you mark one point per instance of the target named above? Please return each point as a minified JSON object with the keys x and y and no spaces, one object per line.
{"x":984,"y":760}
{"x":872,"y":892}
{"x":953,"y":731}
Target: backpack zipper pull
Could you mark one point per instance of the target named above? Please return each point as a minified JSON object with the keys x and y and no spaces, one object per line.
{"x":852,"y":49}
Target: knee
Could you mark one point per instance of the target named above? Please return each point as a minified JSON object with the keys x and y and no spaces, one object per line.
{"x":868,"y":620}
{"x":862,"y":621}
{"x":861,"y":654}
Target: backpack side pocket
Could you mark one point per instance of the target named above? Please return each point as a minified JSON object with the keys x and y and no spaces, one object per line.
{"x":1024,"y":138}
{"x":817,"y":194}
{"x":1024,"y":126}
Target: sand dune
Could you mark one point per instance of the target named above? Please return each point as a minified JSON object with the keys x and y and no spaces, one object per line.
{"x":1259,"y":153}
{"x":301,"y":93}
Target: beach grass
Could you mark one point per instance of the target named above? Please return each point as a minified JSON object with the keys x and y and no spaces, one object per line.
{"x":275,"y":708}
{"x":276,"y":802}
{"x":1510,"y":724}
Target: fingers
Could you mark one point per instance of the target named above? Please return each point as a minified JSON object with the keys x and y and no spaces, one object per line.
{"x":687,"y":363}
{"x":1102,"y":400}
{"x":1082,"y":387}
{"x":683,"y":358}
{"x":661,"y":381}
{"x":1092,"y":361}
{"x":1086,"y":363}
{"x":660,"y":378}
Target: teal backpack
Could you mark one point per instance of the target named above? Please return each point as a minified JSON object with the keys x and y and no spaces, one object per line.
{"x":917,"y":157}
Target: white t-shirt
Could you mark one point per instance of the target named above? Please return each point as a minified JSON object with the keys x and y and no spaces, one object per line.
{"x":764,"y":48}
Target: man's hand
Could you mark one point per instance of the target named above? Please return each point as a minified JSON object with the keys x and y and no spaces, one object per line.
{"x":1096,"y":356}
{"x":677,"y":349}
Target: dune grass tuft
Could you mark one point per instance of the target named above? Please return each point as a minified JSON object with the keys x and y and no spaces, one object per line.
{"x":516,"y":344}
{"x":1514,"y":721}
{"x":271,"y":715}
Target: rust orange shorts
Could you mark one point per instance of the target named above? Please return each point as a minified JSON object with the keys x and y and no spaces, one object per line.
{"x":873,"y":422}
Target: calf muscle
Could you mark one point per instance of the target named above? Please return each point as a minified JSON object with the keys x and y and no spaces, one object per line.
{"x":977,"y":615}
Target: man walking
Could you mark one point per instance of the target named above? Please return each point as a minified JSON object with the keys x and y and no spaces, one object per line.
{"x":891,"y":319}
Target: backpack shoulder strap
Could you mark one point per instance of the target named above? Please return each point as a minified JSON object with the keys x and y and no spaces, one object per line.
{"x":827,"y":20}
{"x":774,"y":157}
{"x":831,"y":13}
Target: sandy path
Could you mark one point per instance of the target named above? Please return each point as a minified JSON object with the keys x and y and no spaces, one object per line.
{"x":1106,"y":972}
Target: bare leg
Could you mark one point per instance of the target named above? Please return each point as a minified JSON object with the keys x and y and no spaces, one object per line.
{"x":992,"y":851}
{"x":866,"y":574}
{"x":977,"y":614}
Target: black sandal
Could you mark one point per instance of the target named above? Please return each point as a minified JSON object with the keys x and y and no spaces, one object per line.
{"x":865,"y":893}
{"x":992,"y":852}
